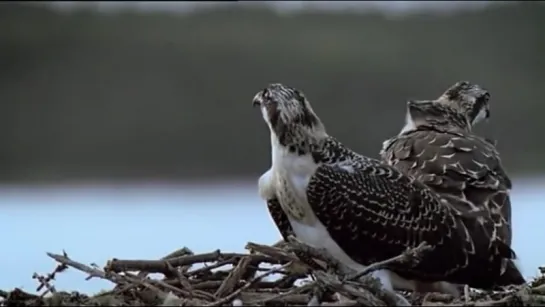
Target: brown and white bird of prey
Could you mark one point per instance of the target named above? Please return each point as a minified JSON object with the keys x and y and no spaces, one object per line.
{"x":469,"y":99}
{"x":437,"y":148}
{"x":361,"y":210}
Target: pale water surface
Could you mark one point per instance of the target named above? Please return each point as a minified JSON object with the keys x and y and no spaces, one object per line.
{"x":96,"y":223}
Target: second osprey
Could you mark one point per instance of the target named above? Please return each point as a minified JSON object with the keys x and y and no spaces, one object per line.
{"x":437,"y":147}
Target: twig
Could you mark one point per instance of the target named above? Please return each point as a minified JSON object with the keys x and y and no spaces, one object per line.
{"x":208,"y":268}
{"x":280,"y":244}
{"x":273,"y":252}
{"x":44,"y":282}
{"x":85,"y":268}
{"x":233,"y":278}
{"x":341,"y":303}
{"x":246,"y":286}
{"x":184,"y":251}
{"x":142,"y":274}
{"x":159,"y":266}
{"x":113,"y":277}
{"x":362,"y":295}
{"x":243,"y":284}
{"x":295,"y":245}
{"x":291,"y":296}
{"x":411,"y":255}
{"x":184,"y":282}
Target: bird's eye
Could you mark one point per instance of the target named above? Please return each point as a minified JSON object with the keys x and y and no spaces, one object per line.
{"x":482,"y":100}
{"x":485,"y":97}
{"x":266,"y":93}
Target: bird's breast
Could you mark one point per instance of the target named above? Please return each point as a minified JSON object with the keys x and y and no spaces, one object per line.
{"x":292,"y":173}
{"x":266,"y":185}
{"x":292,"y":201}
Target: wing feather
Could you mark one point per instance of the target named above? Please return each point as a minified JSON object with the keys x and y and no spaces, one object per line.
{"x":464,"y":168}
{"x":280,"y":218}
{"x":377,"y":213}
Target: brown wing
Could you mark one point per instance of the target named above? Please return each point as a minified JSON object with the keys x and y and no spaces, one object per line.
{"x":511,"y":276}
{"x":376,"y":213}
{"x":280,"y":218}
{"x":464,"y":168}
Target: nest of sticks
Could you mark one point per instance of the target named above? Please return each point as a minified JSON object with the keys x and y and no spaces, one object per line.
{"x":265,"y":276}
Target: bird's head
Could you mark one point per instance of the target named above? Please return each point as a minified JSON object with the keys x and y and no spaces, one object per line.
{"x":288,"y":114}
{"x":430,"y":113}
{"x":469,"y":99}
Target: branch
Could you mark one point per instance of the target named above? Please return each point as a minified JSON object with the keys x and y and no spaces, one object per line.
{"x":240,"y":280}
{"x":233,"y":278}
{"x":159,"y":266}
{"x":412,"y":255}
{"x":233,"y":295}
{"x":297,"y":246}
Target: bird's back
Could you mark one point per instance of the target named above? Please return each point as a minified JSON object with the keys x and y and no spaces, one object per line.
{"x":463,"y":168}
{"x":374,"y":212}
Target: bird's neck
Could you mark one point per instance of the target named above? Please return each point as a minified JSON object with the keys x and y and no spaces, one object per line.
{"x":455,"y":122}
{"x":409,"y":124}
{"x":293,"y":165}
{"x":297,"y":139}
{"x":451,"y":125}
{"x":293,"y":149}
{"x":305,"y":156}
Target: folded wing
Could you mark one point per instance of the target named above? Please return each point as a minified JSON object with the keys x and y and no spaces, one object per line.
{"x":376,"y":213}
{"x":464,"y":168}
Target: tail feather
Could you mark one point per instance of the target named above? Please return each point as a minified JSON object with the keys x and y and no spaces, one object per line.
{"x":504,"y":250}
{"x":511,"y":276}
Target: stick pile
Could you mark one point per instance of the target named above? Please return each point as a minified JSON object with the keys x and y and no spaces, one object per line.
{"x":247,"y":279}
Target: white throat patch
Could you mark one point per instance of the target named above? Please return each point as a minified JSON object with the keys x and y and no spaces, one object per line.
{"x":480,"y":117}
{"x":409,"y":124}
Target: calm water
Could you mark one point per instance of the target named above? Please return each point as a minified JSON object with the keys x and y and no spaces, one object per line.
{"x":96,"y":223}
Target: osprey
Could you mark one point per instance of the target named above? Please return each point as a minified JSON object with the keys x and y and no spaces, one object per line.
{"x":469,"y":99}
{"x":436,"y":147}
{"x":361,"y":210}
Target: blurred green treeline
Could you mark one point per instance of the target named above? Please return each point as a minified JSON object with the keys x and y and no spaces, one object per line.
{"x":131,"y":95}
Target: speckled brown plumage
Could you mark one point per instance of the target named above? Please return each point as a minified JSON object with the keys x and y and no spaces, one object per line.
{"x":464,"y":168}
{"x":379,"y":207}
{"x":371,"y":210}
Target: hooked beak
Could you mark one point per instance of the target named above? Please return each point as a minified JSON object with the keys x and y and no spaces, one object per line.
{"x":261,"y":98}
{"x":258,"y":98}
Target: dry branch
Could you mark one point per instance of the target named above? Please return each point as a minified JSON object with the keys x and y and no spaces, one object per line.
{"x":244,"y":279}
{"x":411,"y":255}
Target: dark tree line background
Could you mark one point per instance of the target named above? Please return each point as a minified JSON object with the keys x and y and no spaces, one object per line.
{"x":91,"y":96}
